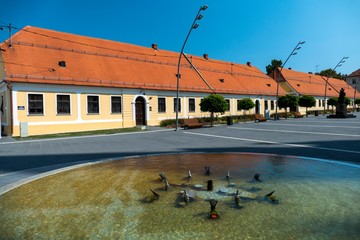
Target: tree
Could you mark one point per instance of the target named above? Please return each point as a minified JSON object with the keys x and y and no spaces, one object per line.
{"x":332,"y":102}
{"x":288,"y":100}
{"x":274,"y":64}
{"x":357,"y":101}
{"x":330,"y":73}
{"x":213,"y":103}
{"x":347,"y":101}
{"x":245,"y":104}
{"x":307,"y":101}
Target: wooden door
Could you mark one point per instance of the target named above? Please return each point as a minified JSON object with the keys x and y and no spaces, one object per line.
{"x":257,"y":107}
{"x":140,"y":111}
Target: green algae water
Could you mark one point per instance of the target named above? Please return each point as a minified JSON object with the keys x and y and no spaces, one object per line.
{"x":314,"y":200}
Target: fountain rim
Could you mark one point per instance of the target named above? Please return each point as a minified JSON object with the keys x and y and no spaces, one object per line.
{"x":76,"y":165}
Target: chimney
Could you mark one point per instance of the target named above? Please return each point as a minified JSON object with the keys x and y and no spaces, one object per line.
{"x":206,"y":56}
{"x":154,"y":46}
{"x":249,"y":64}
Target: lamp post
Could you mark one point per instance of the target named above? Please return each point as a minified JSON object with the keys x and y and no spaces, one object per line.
{"x":194,"y":25}
{"x":357,"y":81}
{"x":327,"y":79}
{"x":297,"y":47}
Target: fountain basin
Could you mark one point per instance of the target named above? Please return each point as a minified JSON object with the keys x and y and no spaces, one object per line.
{"x":317,"y":200}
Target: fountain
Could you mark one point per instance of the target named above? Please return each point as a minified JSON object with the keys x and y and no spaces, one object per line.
{"x":126,"y":199}
{"x":341,"y":107}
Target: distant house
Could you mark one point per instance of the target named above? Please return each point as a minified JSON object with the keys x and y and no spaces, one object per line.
{"x":354,"y":79}
{"x":300,"y":83}
{"x":55,"y":82}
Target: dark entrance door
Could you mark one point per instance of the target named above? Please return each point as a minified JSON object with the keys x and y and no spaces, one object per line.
{"x":257,"y":107}
{"x":140,"y":111}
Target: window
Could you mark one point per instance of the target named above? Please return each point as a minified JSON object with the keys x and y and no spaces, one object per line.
{"x":238,"y":105}
{"x":191,"y":104}
{"x":161,"y":105}
{"x":319,"y":102}
{"x":63,"y":104}
{"x":115,"y":104}
{"x":354,"y":81}
{"x":266,"y":105}
{"x":175,"y":104}
{"x":272,"y":105}
{"x":228,"y":104}
{"x":200,"y":102}
{"x":323,"y":103}
{"x":35,"y":104}
{"x":93,"y":104}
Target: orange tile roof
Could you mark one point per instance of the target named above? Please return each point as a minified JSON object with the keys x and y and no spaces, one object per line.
{"x":311,"y":84}
{"x":36,"y":52}
{"x":355,"y":73}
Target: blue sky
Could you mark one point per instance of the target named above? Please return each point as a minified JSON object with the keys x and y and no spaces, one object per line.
{"x":232,"y":30}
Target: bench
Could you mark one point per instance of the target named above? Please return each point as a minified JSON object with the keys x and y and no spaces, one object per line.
{"x":260,"y":118}
{"x":298,"y":115}
{"x":192,"y":123}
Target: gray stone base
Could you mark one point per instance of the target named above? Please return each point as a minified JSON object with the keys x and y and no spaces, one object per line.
{"x":342,"y":116}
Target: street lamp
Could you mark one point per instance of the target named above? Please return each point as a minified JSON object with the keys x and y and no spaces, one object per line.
{"x":194,"y":25}
{"x":357,"y":81}
{"x":327,"y":79}
{"x":297,"y":47}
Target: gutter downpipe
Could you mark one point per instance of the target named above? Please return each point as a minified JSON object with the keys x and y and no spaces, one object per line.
{"x":354,"y":105}
{"x":8,"y":85}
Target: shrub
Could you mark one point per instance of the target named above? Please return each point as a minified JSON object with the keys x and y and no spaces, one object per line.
{"x":170,"y":122}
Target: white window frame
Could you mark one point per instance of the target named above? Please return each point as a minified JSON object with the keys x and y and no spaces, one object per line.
{"x":229,"y":107}
{"x":27,"y":104}
{"x":189,"y":104}
{"x":180,"y":100}
{"x":56,"y":104}
{"x":87,"y":109}
{"x":121,"y":104}
{"x":199,"y":104}
{"x":165,"y":105}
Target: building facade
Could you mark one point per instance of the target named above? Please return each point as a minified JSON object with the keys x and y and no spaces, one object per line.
{"x":54,"y":82}
{"x":354,"y":80}
{"x":320,"y":87}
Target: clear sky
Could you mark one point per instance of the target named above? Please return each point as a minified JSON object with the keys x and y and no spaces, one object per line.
{"x":232,"y":30}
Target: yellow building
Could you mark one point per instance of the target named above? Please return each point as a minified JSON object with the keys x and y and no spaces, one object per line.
{"x":54,"y":82}
{"x":320,"y":87}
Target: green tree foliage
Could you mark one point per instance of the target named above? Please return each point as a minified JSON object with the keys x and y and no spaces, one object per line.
{"x":245,"y":104}
{"x":274,"y":64}
{"x":357,"y":101}
{"x":213,"y":103}
{"x":332,"y":102}
{"x":307,"y":102}
{"x":330,"y":73}
{"x":288,"y":100}
{"x":347,"y":101}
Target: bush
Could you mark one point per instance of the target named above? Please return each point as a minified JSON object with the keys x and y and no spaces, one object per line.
{"x":170,"y":122}
{"x":216,"y":120}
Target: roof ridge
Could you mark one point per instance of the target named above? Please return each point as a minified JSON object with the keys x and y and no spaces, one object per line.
{"x":79,"y":35}
{"x":355,"y":73}
{"x":30,"y":29}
